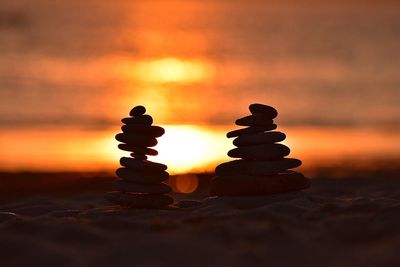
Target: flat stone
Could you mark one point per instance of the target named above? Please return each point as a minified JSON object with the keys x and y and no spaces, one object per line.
{"x":248,"y":185}
{"x":251,"y":130}
{"x":140,"y":165}
{"x":260,"y":152}
{"x":137,"y":111}
{"x":136,"y":155}
{"x":139,"y":156}
{"x":254,"y":120}
{"x":251,"y":167}
{"x":141,"y":120}
{"x":139,"y":200}
{"x":143,"y":150}
{"x":124,"y":186}
{"x":259,"y":138}
{"x":136,"y":140}
{"x":268,"y":111}
{"x":154,"y":131}
{"x":133,"y":175}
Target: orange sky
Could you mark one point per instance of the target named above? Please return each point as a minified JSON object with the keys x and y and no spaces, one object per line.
{"x":67,"y":78}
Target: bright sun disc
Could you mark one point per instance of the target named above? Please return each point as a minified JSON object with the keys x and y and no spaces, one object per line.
{"x":187,"y":148}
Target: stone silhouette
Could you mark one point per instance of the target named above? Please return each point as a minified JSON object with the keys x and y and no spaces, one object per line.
{"x":262,"y":167}
{"x":141,"y":181}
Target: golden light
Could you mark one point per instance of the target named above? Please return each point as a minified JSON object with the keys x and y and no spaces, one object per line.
{"x":186,"y":148}
{"x":167,"y":70}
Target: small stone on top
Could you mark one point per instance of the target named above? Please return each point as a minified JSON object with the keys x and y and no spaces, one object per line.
{"x":263,"y":109}
{"x":137,"y":111}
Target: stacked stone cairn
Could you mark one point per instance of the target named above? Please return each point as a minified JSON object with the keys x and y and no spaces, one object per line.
{"x":141,"y":181}
{"x":262,"y":167}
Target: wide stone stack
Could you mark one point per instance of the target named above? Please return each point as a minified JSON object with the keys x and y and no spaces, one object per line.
{"x":262,"y":168}
{"x":141,"y":181}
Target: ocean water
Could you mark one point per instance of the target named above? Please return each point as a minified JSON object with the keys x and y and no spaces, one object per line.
{"x":82,"y":65}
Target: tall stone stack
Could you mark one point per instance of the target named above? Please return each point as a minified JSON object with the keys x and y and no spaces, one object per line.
{"x":140,"y":183}
{"x":262,"y":167}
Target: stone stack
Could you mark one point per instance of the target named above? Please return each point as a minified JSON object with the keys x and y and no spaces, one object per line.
{"x":141,"y":181}
{"x":262,"y":167}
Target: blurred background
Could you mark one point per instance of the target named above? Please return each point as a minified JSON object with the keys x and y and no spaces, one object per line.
{"x":70,"y":70}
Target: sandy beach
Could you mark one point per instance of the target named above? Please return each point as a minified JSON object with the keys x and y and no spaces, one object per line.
{"x":338,"y":222}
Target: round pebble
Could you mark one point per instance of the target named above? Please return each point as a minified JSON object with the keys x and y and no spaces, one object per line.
{"x":143,"y":150}
{"x":251,"y":130}
{"x":136,"y":140}
{"x":124,"y":186}
{"x":141,"y":177}
{"x":254,"y":120}
{"x":138,"y":200}
{"x":141,"y":120}
{"x":143,"y":166}
{"x":256,"y":167}
{"x":137,"y":111}
{"x":260,"y":152}
{"x":154,"y":131}
{"x":268,"y":111}
{"x":259,"y":138}
{"x":249,"y":185}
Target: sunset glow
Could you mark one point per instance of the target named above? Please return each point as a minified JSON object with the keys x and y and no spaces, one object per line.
{"x":168,"y":70}
{"x":189,"y":148}
{"x":184,"y":148}
{"x":195,"y":66}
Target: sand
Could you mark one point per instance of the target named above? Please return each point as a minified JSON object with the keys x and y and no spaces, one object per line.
{"x":352,"y":222}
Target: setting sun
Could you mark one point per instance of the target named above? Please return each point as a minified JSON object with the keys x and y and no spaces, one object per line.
{"x":183,"y":148}
{"x":190,"y":148}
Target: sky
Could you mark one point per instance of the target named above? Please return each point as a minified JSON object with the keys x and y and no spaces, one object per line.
{"x":70,"y":71}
